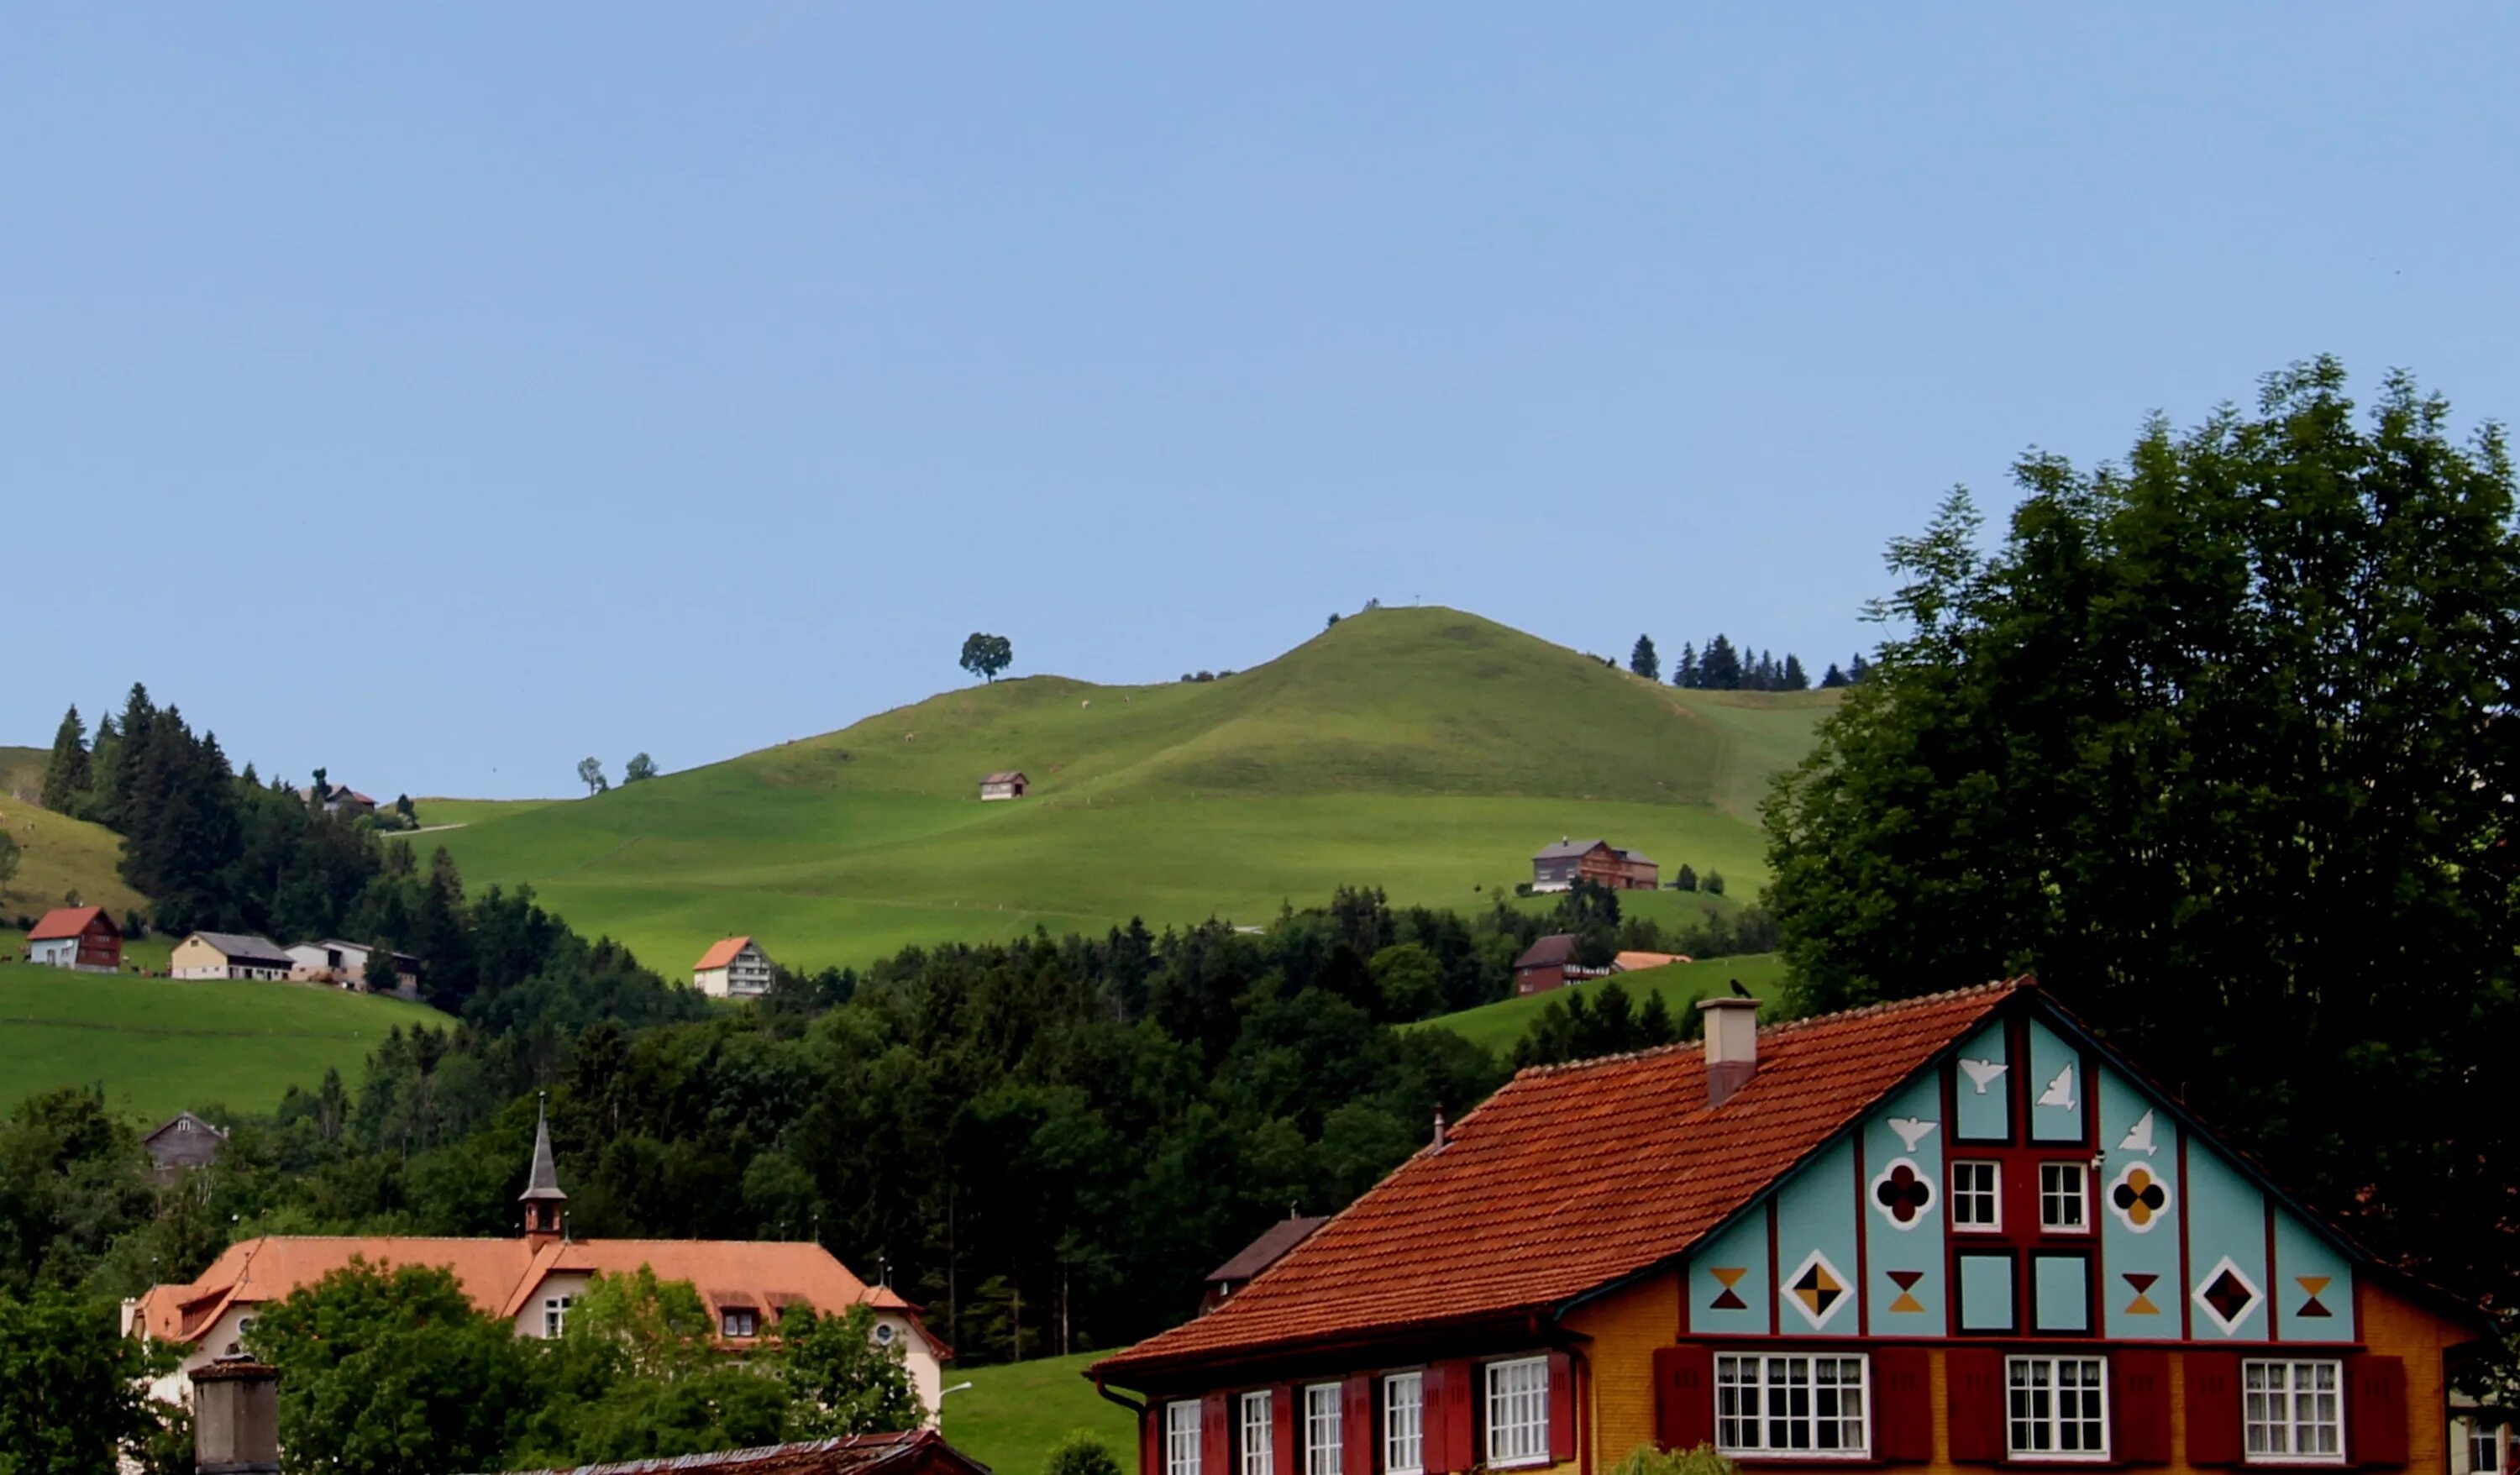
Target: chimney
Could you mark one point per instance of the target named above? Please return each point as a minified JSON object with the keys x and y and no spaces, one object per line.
{"x":236,"y":1419}
{"x":1439,"y":1129}
{"x":1732,"y":1045}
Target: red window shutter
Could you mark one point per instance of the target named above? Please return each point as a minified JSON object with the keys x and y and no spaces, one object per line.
{"x":1903,"y":1405}
{"x":1460,"y":1430}
{"x":2139,"y":1405}
{"x":1561,"y":1407}
{"x":1684,"y":1379}
{"x":1284,"y":1406}
{"x":1357,"y":1442}
{"x":2375,"y":1410}
{"x":1215,"y":1435}
{"x":2213,"y":1408}
{"x":1435,"y":1454}
{"x":1975,"y":1376}
{"x":1151,"y":1441}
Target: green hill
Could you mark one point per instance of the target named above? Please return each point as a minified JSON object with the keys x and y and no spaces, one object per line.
{"x":160,"y":1044}
{"x":1424,"y":750}
{"x":1495,"y":1027}
{"x":59,"y":856}
{"x":1012,"y":1412}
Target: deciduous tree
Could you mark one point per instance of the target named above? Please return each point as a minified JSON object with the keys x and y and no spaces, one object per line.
{"x":985,"y":656}
{"x":590,"y":772}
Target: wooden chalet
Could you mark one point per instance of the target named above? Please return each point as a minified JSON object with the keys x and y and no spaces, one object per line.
{"x":1558,"y":867}
{"x":1550,"y":963}
{"x":82,"y":938}
{"x":1952,"y":1233}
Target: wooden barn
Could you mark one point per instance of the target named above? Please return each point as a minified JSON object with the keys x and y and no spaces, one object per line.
{"x":83,"y":938}
{"x":1010,"y":784}
{"x":1558,"y":867}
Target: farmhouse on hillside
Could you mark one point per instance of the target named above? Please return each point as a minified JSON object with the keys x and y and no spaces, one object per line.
{"x":734,"y":967}
{"x":228,"y":955}
{"x":1257,"y":1256}
{"x":533,"y":1279}
{"x":1558,"y":867}
{"x":83,"y":938}
{"x":342,"y":798}
{"x":1010,"y":785}
{"x":351,"y":963}
{"x":1550,"y":963}
{"x":1955,"y":1231}
{"x":183,"y":1140}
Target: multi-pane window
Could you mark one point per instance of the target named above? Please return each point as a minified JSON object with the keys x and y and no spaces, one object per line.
{"x":2293,"y":1410}
{"x":1321,"y":1429}
{"x":1518,"y":1411}
{"x":741,"y":1322}
{"x":1770,"y":1404}
{"x":1181,"y":1438}
{"x":2058,"y":1407}
{"x":1404,"y":1409}
{"x":1975,"y":1203}
{"x":556,"y":1315}
{"x":2062,"y":1196}
{"x":2484,"y":1447}
{"x":1258,"y":1454}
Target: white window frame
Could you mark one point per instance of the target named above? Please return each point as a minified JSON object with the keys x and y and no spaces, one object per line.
{"x":2477,"y":1436}
{"x":2260,"y":1424}
{"x":2080,"y":1200}
{"x":1404,"y":1424}
{"x":1517,"y":1412}
{"x":1323,"y":1429}
{"x":556,"y":1315}
{"x":2053,"y":1421}
{"x":1775,"y":1376}
{"x":1258,"y":1444}
{"x":1993,"y":1195}
{"x":726,"y":1319}
{"x":1181,"y":1437}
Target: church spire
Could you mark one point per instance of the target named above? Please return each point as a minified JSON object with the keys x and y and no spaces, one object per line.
{"x":542,"y":1197}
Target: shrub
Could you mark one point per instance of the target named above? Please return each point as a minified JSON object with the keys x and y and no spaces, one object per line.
{"x":1081,"y":1453}
{"x":1645,"y":1459}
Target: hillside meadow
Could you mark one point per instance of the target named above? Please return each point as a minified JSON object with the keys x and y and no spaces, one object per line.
{"x":1423,"y":750}
{"x":58,"y":857}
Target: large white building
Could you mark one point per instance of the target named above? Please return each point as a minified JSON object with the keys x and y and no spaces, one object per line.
{"x":734,"y":967}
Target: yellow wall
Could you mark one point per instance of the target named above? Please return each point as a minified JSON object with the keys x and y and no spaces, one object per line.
{"x":193,"y":953}
{"x":1626,"y":1327}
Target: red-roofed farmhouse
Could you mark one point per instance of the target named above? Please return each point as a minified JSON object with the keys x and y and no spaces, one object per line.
{"x":75,"y":937}
{"x":1952,"y":1232}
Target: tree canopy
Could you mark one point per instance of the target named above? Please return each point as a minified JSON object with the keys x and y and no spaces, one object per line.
{"x":2220,"y":744}
{"x":985,"y":656}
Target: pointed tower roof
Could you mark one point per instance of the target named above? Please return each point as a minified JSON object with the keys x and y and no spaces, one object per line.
{"x":543,"y":1181}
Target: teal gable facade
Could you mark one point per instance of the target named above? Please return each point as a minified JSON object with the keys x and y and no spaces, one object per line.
{"x":2025,"y":1185}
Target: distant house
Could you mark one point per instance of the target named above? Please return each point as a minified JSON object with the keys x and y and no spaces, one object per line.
{"x":226,"y":955}
{"x":338,"y":798}
{"x":1010,"y":784}
{"x":334,"y":961}
{"x":77,"y":937}
{"x":1550,"y":963}
{"x":734,"y":967}
{"x":1255,"y":1257}
{"x":1558,"y":867}
{"x":184,"y":1140}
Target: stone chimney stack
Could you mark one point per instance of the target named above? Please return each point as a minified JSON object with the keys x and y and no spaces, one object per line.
{"x":236,"y":1419}
{"x":1732,"y":1045}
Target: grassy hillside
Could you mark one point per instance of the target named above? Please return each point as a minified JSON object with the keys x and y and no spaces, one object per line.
{"x":1497,"y":1026}
{"x":158,"y":1045}
{"x":58,"y":854}
{"x":1424,"y":750}
{"x":1013,"y":1414}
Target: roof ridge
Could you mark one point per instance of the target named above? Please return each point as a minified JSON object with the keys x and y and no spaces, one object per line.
{"x":1781,"y":1026}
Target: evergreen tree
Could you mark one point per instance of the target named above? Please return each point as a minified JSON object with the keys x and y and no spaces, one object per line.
{"x":1832,"y":679}
{"x":1858,"y":669}
{"x":1685,"y":878}
{"x":1685,"y":673}
{"x":1720,"y":668}
{"x":1643,"y":660}
{"x":1793,"y":677}
{"x":139,"y":714}
{"x":65,"y":774}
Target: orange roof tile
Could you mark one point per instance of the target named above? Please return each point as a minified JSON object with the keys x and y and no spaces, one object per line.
{"x":65,"y":922}
{"x":720,"y":953}
{"x":1570,"y":1178}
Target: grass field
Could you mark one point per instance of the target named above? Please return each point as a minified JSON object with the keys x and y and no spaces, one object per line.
{"x":431,"y":812}
{"x":1498,"y":1026}
{"x":158,"y":1045}
{"x":59,"y":856}
{"x":1423,"y":750}
{"x":1013,"y":1414}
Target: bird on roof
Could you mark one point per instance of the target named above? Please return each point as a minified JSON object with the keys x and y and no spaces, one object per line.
{"x":1739,"y":992}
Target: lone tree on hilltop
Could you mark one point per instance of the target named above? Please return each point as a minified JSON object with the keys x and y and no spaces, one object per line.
{"x":640,"y":766}
{"x":985,"y":656}
{"x":1643,"y":660}
{"x":590,"y":772}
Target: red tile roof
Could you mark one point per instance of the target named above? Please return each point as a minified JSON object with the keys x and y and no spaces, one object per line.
{"x":65,"y":921}
{"x":1570,"y":1178}
{"x":720,"y":953}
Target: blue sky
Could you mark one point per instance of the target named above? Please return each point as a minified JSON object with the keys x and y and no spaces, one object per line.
{"x":446,"y":396}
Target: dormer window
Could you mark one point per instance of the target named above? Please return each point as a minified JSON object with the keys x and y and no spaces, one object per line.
{"x":741,"y":1322}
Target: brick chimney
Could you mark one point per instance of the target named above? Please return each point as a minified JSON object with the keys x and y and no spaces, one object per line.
{"x":236,"y":1419}
{"x":1732,"y":1045}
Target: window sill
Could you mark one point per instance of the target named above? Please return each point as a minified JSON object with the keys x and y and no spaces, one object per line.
{"x":1527,"y":1462}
